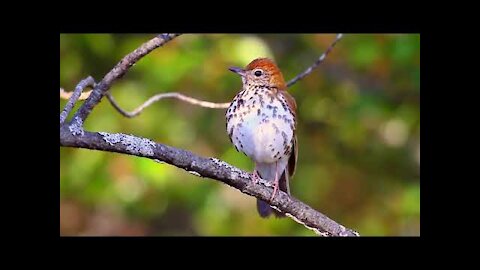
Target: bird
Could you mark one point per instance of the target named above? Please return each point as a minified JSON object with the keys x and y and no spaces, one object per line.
{"x":261,"y":123}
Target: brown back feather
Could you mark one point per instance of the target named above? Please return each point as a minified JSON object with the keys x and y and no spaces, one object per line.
{"x":292,"y":161}
{"x":290,"y":101}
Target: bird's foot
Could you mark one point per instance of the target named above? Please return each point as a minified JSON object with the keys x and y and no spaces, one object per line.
{"x":275,"y":186}
{"x":275,"y":190}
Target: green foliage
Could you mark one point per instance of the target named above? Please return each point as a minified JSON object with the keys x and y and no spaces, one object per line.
{"x":358,"y":131}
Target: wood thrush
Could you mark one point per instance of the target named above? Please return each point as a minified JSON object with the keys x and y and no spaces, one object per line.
{"x":261,"y":123}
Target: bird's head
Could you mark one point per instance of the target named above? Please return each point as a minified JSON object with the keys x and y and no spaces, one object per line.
{"x":261,"y":71}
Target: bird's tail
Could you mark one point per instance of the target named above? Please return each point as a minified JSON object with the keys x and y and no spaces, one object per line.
{"x":264,"y":209}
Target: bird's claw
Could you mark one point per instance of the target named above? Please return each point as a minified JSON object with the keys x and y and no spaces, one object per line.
{"x":275,"y":191}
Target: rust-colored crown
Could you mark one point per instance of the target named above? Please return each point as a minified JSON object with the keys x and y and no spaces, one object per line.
{"x":267,"y":65}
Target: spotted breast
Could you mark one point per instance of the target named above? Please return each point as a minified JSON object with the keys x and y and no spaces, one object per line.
{"x":261,"y":123}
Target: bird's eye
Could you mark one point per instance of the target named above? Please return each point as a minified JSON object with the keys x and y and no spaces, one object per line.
{"x":258,"y":73}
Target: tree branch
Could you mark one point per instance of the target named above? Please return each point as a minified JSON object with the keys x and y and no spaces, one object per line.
{"x":117,"y":72}
{"x":316,"y":64}
{"x":89,"y":81}
{"x":205,"y":167}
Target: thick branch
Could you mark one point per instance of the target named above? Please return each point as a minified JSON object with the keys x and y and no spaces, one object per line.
{"x":89,"y":81}
{"x":204,"y":167}
{"x":118,"y":71}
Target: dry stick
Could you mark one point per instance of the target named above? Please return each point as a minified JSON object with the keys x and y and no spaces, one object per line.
{"x":89,"y":81}
{"x":67,"y":95}
{"x":208,"y":104}
{"x":158,"y":97}
{"x":316,"y":64}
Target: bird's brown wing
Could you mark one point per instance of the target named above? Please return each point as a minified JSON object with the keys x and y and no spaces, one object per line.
{"x":290,"y":100}
{"x":292,"y":161}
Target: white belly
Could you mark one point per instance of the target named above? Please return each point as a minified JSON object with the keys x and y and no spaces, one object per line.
{"x":264,"y":136}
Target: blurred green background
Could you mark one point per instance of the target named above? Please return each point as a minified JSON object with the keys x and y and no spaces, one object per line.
{"x":358,"y":133}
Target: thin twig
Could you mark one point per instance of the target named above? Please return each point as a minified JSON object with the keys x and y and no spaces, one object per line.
{"x":158,"y":97}
{"x":206,"y":167}
{"x":208,"y":104}
{"x":118,"y":71}
{"x":89,"y":81}
{"x":67,"y":95}
{"x":316,"y":64}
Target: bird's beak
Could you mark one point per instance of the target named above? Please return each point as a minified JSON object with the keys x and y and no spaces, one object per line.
{"x":237,"y":70}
